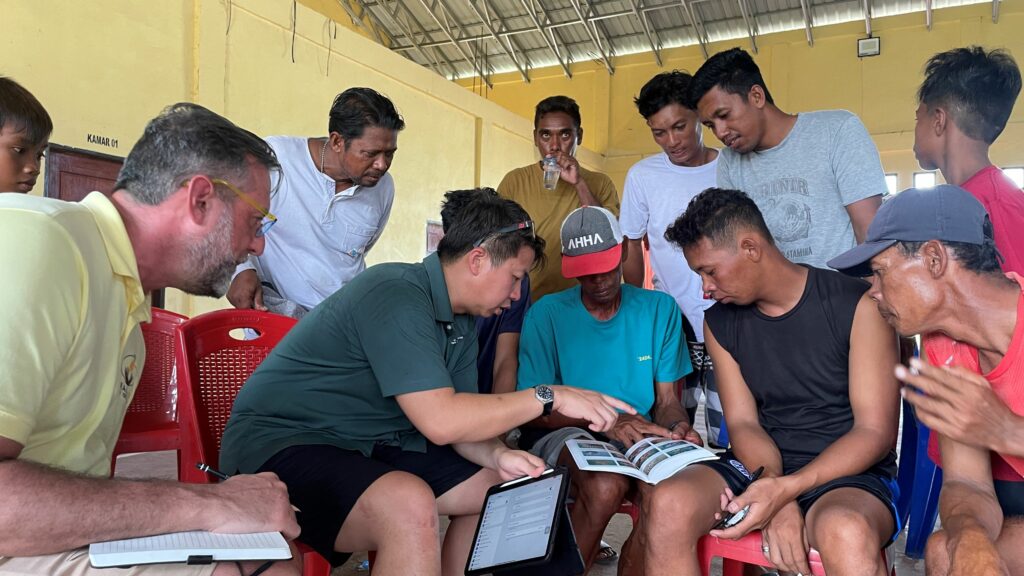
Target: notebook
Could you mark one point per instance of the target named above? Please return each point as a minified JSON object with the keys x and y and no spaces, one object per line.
{"x":196,"y":547}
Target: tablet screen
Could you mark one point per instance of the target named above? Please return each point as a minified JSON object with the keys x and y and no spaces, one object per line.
{"x":516,"y":523}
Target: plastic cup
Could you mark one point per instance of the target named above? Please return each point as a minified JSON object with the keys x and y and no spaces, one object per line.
{"x":551,"y":172}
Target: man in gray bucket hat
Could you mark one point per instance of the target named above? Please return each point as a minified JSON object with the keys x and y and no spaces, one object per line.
{"x":935,"y":270}
{"x":617,"y":339}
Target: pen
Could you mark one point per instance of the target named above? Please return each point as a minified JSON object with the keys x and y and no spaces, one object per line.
{"x":211,"y":471}
{"x":203,"y":467}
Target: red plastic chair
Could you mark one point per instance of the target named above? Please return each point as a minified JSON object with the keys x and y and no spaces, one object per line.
{"x":151,"y":422}
{"x":747,"y":550}
{"x":213,"y":364}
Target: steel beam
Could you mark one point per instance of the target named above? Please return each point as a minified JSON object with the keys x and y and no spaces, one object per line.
{"x":641,"y":18}
{"x":509,"y":50}
{"x":867,"y":17}
{"x":549,"y":41}
{"x":808,"y":21}
{"x":750,"y":23}
{"x":698,"y":27}
{"x":447,"y":30}
{"x":592,"y":33}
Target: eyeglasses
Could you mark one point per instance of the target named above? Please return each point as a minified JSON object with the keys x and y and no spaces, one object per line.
{"x":524,"y":225}
{"x":268,"y":219}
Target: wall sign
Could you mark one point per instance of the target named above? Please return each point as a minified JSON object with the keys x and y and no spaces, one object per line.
{"x":101,"y":140}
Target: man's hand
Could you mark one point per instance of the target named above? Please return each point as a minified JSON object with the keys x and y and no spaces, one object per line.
{"x":570,"y":167}
{"x":251,"y":503}
{"x":246,"y":292}
{"x":594,"y":407}
{"x":685,"y":431}
{"x":512,"y":464}
{"x":765,"y":497}
{"x":961,"y":405}
{"x":630,"y":429}
{"x":786,"y":538}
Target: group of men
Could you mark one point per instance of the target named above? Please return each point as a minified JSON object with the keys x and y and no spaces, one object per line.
{"x":390,"y":401}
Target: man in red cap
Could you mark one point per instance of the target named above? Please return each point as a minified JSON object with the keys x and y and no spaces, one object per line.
{"x":623,"y":341}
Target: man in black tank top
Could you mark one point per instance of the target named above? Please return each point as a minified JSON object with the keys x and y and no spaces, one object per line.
{"x":805,"y":367}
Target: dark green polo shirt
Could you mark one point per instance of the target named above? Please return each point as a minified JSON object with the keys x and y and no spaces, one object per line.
{"x":333,"y":379}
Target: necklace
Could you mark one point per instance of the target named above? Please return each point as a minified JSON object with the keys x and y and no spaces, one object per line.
{"x":323,"y":152}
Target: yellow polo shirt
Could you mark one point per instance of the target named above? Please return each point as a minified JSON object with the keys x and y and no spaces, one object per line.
{"x":71,"y":350}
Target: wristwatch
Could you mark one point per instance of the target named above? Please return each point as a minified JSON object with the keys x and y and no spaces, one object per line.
{"x":546,"y":396}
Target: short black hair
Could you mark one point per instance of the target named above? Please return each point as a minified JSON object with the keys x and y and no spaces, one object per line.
{"x":558,"y":104}
{"x":20,"y":111}
{"x":474,"y":215}
{"x":980,"y":259}
{"x":357,"y":108}
{"x":976,"y":88}
{"x":664,"y":89}
{"x":717,"y":214}
{"x":734,"y":71}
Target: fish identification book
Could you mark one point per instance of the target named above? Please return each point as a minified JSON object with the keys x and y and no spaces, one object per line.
{"x":196,"y":547}
{"x":651,"y":459}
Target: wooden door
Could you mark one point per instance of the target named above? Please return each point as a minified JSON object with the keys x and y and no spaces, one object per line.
{"x":71,"y":174}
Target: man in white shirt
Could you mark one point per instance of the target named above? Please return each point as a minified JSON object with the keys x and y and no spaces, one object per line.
{"x":333,"y":199}
{"x":658,"y":189}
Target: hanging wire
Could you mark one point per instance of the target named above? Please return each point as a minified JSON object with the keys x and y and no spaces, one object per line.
{"x":294,"y":26}
{"x":230,"y":6}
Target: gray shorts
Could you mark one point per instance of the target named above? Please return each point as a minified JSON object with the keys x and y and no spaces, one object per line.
{"x":550,"y":446}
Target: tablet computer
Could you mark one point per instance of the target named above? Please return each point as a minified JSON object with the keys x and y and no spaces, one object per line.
{"x":518,"y":523}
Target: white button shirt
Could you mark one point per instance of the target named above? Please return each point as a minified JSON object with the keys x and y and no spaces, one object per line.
{"x":321,"y":238}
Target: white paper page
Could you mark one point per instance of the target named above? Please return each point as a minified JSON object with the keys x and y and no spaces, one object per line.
{"x":178,"y":546}
{"x":595,"y":456}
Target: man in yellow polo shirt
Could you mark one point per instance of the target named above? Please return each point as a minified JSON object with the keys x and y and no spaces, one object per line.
{"x":189,"y":205}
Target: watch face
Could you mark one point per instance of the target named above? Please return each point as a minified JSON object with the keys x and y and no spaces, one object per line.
{"x":544,"y":393}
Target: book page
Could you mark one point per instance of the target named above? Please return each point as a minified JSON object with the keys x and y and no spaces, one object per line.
{"x":178,"y":546}
{"x":659,"y":458}
{"x":595,"y":456}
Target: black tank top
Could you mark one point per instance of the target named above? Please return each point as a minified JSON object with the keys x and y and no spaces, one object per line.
{"x":797,"y":364}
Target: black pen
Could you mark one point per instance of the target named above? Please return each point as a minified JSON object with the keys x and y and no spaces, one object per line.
{"x":211,"y":471}
{"x":221,"y":476}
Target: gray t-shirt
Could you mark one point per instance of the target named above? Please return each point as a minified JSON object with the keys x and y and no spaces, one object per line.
{"x":802,"y":186}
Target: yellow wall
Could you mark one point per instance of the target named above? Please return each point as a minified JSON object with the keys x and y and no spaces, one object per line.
{"x":828,"y":75}
{"x":108,"y":67}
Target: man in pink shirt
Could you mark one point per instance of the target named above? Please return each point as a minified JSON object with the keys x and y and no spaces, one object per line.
{"x":934,"y":270}
{"x":965,"y":100}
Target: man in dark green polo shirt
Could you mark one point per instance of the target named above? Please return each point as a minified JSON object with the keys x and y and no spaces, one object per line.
{"x":367,"y":410}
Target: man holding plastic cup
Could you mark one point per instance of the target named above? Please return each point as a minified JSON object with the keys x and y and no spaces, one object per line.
{"x":556,"y":185}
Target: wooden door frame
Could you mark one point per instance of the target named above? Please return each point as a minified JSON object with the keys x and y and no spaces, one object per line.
{"x":51,"y":185}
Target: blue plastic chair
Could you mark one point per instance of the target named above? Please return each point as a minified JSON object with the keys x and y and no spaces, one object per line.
{"x":919,"y":482}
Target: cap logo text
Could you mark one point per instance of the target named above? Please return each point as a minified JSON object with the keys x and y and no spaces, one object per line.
{"x":583,"y":241}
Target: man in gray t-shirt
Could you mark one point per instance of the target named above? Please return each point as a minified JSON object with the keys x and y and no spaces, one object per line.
{"x":816,"y":176}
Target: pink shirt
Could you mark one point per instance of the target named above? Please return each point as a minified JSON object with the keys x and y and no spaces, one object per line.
{"x":1007,"y":380}
{"x":1004,"y":203}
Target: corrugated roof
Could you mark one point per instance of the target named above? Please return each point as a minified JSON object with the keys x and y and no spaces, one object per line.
{"x":465,"y":38}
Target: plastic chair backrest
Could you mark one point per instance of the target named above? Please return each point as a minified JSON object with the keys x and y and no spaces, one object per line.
{"x":151,"y":420}
{"x":155,"y":398}
{"x":215,"y":359}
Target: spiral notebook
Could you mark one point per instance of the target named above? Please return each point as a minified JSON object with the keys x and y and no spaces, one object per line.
{"x":196,"y":547}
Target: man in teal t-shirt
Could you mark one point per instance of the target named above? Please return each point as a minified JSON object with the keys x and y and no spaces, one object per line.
{"x":619,"y":340}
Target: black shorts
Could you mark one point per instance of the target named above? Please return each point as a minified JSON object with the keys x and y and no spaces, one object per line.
{"x":1010,"y":495}
{"x":875,"y":482}
{"x":324,"y":482}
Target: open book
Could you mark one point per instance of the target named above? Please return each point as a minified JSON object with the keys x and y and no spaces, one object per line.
{"x":195,"y":547}
{"x":651,"y":459}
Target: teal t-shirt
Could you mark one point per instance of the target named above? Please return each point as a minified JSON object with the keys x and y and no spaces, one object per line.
{"x":623,"y":356}
{"x":334,"y":378}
